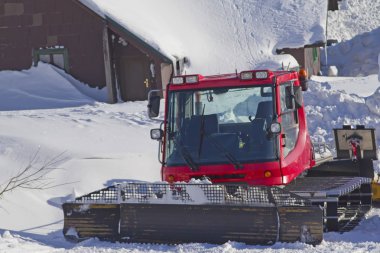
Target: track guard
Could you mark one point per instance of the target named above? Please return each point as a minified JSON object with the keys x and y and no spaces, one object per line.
{"x":184,"y":213}
{"x":83,"y":221}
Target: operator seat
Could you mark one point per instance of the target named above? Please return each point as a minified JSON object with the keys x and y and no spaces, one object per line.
{"x":193,"y":131}
{"x":265,"y":111}
{"x":259,"y":125}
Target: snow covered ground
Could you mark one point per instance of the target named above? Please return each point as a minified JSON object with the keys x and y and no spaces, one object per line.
{"x":103,"y":143}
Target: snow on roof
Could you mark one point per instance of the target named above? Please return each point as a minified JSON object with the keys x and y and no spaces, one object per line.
{"x":219,"y":36}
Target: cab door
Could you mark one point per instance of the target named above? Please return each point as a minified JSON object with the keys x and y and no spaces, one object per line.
{"x":291,"y":144}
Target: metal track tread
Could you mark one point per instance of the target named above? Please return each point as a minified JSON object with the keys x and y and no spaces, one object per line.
{"x":345,"y":199}
{"x":320,"y":187}
{"x":351,"y":217}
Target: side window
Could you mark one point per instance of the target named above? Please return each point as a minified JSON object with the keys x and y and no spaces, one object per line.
{"x":289,"y":118}
{"x":55,"y":56}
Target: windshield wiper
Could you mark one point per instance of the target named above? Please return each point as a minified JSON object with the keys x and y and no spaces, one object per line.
{"x":188,"y":159}
{"x":231,"y":158}
{"x":186,"y":156}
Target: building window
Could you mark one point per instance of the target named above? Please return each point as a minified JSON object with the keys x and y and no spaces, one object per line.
{"x":55,"y":56}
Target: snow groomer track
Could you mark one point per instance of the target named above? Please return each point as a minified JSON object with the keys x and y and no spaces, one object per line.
{"x":345,"y":199}
{"x":180,"y":213}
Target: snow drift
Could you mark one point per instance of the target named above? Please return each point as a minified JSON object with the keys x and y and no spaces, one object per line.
{"x":357,"y":56}
{"x":44,"y":87}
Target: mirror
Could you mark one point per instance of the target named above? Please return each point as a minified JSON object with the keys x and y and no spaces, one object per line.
{"x":289,"y":98}
{"x":275,"y":128}
{"x":298,"y":96}
{"x":153,"y":104}
{"x":156,"y":134}
{"x":304,"y":85}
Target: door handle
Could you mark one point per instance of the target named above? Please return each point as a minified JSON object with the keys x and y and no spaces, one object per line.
{"x":146,"y":82}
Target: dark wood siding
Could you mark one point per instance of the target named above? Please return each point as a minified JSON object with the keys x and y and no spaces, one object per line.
{"x":27,"y":25}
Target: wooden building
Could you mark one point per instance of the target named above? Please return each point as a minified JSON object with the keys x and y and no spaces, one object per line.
{"x":308,"y":57}
{"x":94,"y":49}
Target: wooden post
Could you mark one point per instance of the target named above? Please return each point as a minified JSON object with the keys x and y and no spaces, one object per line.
{"x":111,"y":91}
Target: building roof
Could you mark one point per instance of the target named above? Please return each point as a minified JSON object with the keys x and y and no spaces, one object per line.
{"x":219,"y":36}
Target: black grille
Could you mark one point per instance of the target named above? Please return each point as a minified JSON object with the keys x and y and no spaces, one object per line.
{"x":197,"y":194}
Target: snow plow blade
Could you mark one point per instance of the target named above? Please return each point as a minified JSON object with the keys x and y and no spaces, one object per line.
{"x":186,"y":213}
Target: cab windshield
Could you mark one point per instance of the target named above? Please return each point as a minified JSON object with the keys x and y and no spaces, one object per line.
{"x":218,"y":126}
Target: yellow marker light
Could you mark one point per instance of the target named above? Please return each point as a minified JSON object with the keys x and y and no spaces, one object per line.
{"x":170,"y":178}
{"x":302,"y":73}
{"x":267,"y":174}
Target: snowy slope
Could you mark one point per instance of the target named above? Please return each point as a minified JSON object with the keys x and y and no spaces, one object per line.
{"x":221,"y":36}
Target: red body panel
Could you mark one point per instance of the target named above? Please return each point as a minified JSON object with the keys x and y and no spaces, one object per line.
{"x":283,"y":171}
{"x":251,"y":173}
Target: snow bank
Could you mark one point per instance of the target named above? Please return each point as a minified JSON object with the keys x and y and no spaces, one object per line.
{"x":353,"y":18}
{"x":357,"y":56}
{"x":327,"y":109}
{"x":221,"y":36}
{"x":43,"y":87}
{"x":379,"y":67}
{"x":362,"y":86}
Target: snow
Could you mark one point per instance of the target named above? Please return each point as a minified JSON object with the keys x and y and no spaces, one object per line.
{"x":379,"y":67}
{"x":227,"y":35}
{"x":368,"y":84}
{"x":44,"y":87}
{"x":353,"y":18}
{"x":357,"y":26}
{"x":357,"y":56}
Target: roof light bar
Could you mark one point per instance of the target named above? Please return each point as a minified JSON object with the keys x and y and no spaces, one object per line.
{"x":261,"y":74}
{"x":178,"y":80}
{"x":192,"y":79}
{"x":246,"y":75}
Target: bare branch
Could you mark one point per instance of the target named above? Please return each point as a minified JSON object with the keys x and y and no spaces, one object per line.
{"x":34,"y":176}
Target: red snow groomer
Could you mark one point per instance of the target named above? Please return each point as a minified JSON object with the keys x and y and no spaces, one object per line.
{"x":247,"y":134}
